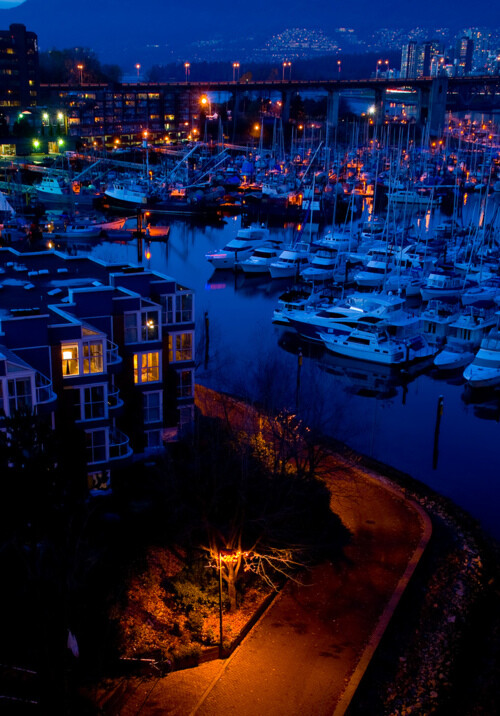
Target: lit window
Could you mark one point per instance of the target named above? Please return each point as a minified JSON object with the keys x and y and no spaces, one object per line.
{"x":70,"y":359}
{"x":146,"y":367}
{"x":93,"y":357}
{"x":180,"y":347}
{"x":99,"y":481}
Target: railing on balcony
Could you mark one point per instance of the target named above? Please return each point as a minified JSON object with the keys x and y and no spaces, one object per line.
{"x":119,"y":445}
{"x":43,"y":389}
{"x":114,"y":400}
{"x":112,"y":355}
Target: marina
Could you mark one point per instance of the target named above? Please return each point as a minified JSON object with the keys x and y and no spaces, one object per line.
{"x":361,"y":314}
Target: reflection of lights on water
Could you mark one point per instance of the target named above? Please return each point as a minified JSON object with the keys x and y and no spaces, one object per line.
{"x":215,"y":286}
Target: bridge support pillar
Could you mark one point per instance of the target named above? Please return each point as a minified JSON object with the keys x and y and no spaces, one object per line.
{"x":286,"y":101}
{"x":380,"y":105}
{"x":432,"y":106}
{"x":236,"y":111}
{"x":332,"y":114}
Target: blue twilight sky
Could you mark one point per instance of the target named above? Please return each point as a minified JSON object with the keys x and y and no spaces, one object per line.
{"x":109,"y":25}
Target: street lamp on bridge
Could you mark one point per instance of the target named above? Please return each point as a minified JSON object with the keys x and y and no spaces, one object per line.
{"x":339,"y":66}
{"x":236,"y":71}
{"x":79,"y":67}
{"x":187,"y":69}
{"x":285,"y":66}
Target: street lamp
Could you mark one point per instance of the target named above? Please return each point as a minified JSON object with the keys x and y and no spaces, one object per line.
{"x":236,"y":70}
{"x":80,"y":68}
{"x":225,"y":555}
{"x":339,"y":65}
{"x":138,"y":68}
{"x":285,"y":65}
{"x":187,"y":69}
{"x":205,"y":102}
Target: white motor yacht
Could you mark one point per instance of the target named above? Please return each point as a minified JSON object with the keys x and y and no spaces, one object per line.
{"x":291,"y":261}
{"x":260,"y":260}
{"x":238,"y":249}
{"x":484,"y":371}
{"x":375,"y":344}
{"x":465,"y":335}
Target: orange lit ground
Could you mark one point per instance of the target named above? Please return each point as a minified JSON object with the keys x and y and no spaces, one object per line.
{"x":308,"y":652}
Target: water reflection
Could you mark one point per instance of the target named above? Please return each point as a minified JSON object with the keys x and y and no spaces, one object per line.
{"x":389,"y":415}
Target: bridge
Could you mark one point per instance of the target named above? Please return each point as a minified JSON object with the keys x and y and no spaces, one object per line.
{"x":433,"y":96}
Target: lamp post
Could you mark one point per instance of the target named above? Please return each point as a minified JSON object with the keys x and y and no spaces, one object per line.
{"x":187,"y":69}
{"x":224,"y":555}
{"x":236,"y":70}
{"x":339,"y":65}
{"x":206,"y":104}
{"x":379,"y":62}
{"x":80,"y":68}
{"x":285,"y":65}
{"x":138,"y":70}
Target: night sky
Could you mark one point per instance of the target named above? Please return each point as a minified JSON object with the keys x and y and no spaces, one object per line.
{"x":108,"y":24}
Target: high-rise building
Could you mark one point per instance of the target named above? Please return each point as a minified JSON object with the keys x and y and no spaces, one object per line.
{"x":426,"y":52}
{"x":409,"y":59}
{"x":18,"y":68}
{"x":463,"y":55}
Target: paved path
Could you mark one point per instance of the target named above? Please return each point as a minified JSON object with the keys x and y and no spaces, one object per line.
{"x":310,"y":649}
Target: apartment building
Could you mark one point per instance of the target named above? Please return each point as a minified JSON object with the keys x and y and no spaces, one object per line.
{"x":107,"y":348}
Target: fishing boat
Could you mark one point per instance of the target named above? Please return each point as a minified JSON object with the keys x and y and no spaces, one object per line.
{"x":54,"y":191}
{"x":127,"y":194}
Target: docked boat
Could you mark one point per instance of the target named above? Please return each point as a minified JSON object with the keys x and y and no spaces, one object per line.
{"x":486,"y":291}
{"x":238,"y":249}
{"x":465,"y":335}
{"x":126,"y":194}
{"x":484,"y":371}
{"x":412,"y":197}
{"x":260,"y":260}
{"x":374,"y":343}
{"x":53,"y":191}
{"x":444,"y":286}
{"x":436,"y":318}
{"x":340,"y":316}
{"x":296,"y":298}
{"x":291,"y":261}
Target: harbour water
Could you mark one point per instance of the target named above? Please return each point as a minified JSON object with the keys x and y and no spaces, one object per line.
{"x":390,"y":417}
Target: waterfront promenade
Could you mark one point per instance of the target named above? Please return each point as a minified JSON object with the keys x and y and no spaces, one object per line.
{"x":309,"y":650}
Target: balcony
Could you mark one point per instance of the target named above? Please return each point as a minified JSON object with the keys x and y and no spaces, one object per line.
{"x":114,"y":400}
{"x":112,"y":355}
{"x":119,"y":445}
{"x":43,"y":390}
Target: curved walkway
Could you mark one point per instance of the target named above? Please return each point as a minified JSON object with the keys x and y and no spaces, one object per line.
{"x":308,"y":652}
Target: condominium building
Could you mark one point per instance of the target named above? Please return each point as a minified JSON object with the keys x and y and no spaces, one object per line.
{"x":107,"y":348}
{"x":19,"y":79}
